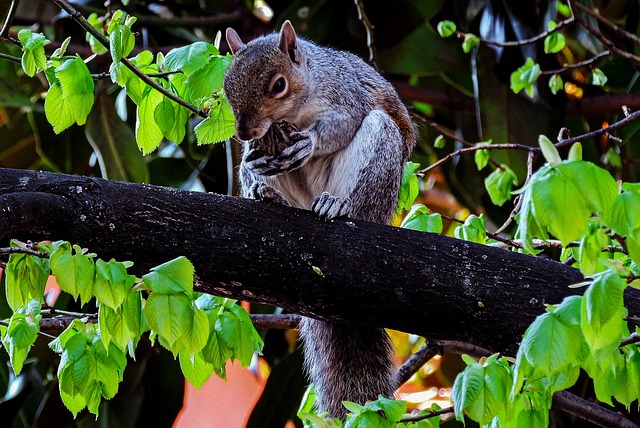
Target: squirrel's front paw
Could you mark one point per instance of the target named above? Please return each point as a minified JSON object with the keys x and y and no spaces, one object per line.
{"x":289,"y":159}
{"x":328,"y":207}
{"x":264,"y":192}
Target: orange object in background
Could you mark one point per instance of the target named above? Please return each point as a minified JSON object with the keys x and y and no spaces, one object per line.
{"x":220,"y":404}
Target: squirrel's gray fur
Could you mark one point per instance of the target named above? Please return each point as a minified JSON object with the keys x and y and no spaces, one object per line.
{"x":346,"y":160}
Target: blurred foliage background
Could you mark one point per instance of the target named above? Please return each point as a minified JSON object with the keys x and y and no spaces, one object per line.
{"x":465,"y":97}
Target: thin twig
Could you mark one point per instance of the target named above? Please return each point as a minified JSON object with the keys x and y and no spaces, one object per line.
{"x":77,"y":16}
{"x":598,"y":132}
{"x":362,"y":16}
{"x":275,"y":321}
{"x":561,"y":143}
{"x":413,"y":364}
{"x":475,"y":148}
{"x":538,"y":37}
{"x":53,"y":312}
{"x":4,"y":32}
{"x":633,"y":338}
{"x":613,"y":27}
{"x":11,"y":58}
{"x":597,"y":34}
{"x":23,"y":250}
{"x":458,"y":347}
{"x":431,"y":414}
{"x":518,"y":205}
{"x":577,"y":64}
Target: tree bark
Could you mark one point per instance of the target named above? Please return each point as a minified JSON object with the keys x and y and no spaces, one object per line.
{"x":346,"y":270}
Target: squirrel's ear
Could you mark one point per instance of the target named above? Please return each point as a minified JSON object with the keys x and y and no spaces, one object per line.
{"x":234,"y":41}
{"x":289,"y":42}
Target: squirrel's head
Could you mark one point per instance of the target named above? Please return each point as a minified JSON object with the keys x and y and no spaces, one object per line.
{"x":264,"y":83}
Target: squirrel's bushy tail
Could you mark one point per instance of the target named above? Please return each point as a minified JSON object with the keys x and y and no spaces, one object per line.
{"x":346,"y":363}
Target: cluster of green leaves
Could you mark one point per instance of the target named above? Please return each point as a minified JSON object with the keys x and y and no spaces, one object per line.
{"x":194,"y":73}
{"x":597,"y":221}
{"x":203,"y":331}
{"x":381,"y":413}
{"x":526,"y":76}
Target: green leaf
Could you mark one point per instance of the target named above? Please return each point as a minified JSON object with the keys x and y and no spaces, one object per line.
{"x":481,"y":391}
{"x":57,"y":109}
{"x":598,"y":78}
{"x":113,"y":326}
{"x":589,"y":253}
{"x":74,"y":274}
{"x":165,"y":115}
{"x":190,"y":58}
{"x":237,"y":331}
{"x":202,"y":84}
{"x":602,"y":314}
{"x":554,"y":42}
{"x":170,"y":316}
{"x":393,"y":410}
{"x":121,"y":42}
{"x":148,"y":133}
{"x":470,"y":41}
{"x":624,"y":217}
{"x":420,"y":219}
{"x":112,"y":283}
{"x":25,"y":279}
{"x":525,"y":76}
{"x":500,"y":183}
{"x":195,"y":368}
{"x":562,"y":199}
{"x":174,"y":276}
{"x":219,"y":126}
{"x":217,"y":352}
{"x":446,"y":28}
{"x":472,"y":230}
{"x":196,"y":337}
{"x":604,"y":298}
{"x":74,"y":402}
{"x":550,"y":345}
{"x":439,"y":142}
{"x":549,"y":151}
{"x":93,"y":397}
{"x":97,"y":23}
{"x":33,"y":56}
{"x":409,"y":187}
{"x":575,"y":153}
{"x":481,"y":158}
{"x":124,"y":77}
{"x":556,"y":84}
{"x":77,"y":88}
{"x":21,"y":334}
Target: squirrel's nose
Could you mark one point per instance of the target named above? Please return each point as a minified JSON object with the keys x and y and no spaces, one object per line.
{"x":245,"y":133}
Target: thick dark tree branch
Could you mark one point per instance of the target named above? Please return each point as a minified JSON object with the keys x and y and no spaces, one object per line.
{"x":347,"y":271}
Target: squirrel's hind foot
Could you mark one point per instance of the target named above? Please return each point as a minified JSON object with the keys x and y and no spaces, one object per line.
{"x":263,"y":192}
{"x":329,"y":207}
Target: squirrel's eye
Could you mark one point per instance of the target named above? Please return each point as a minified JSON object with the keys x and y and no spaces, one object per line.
{"x":278,"y":86}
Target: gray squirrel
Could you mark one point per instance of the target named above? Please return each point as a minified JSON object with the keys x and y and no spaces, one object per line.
{"x":322,"y":131}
